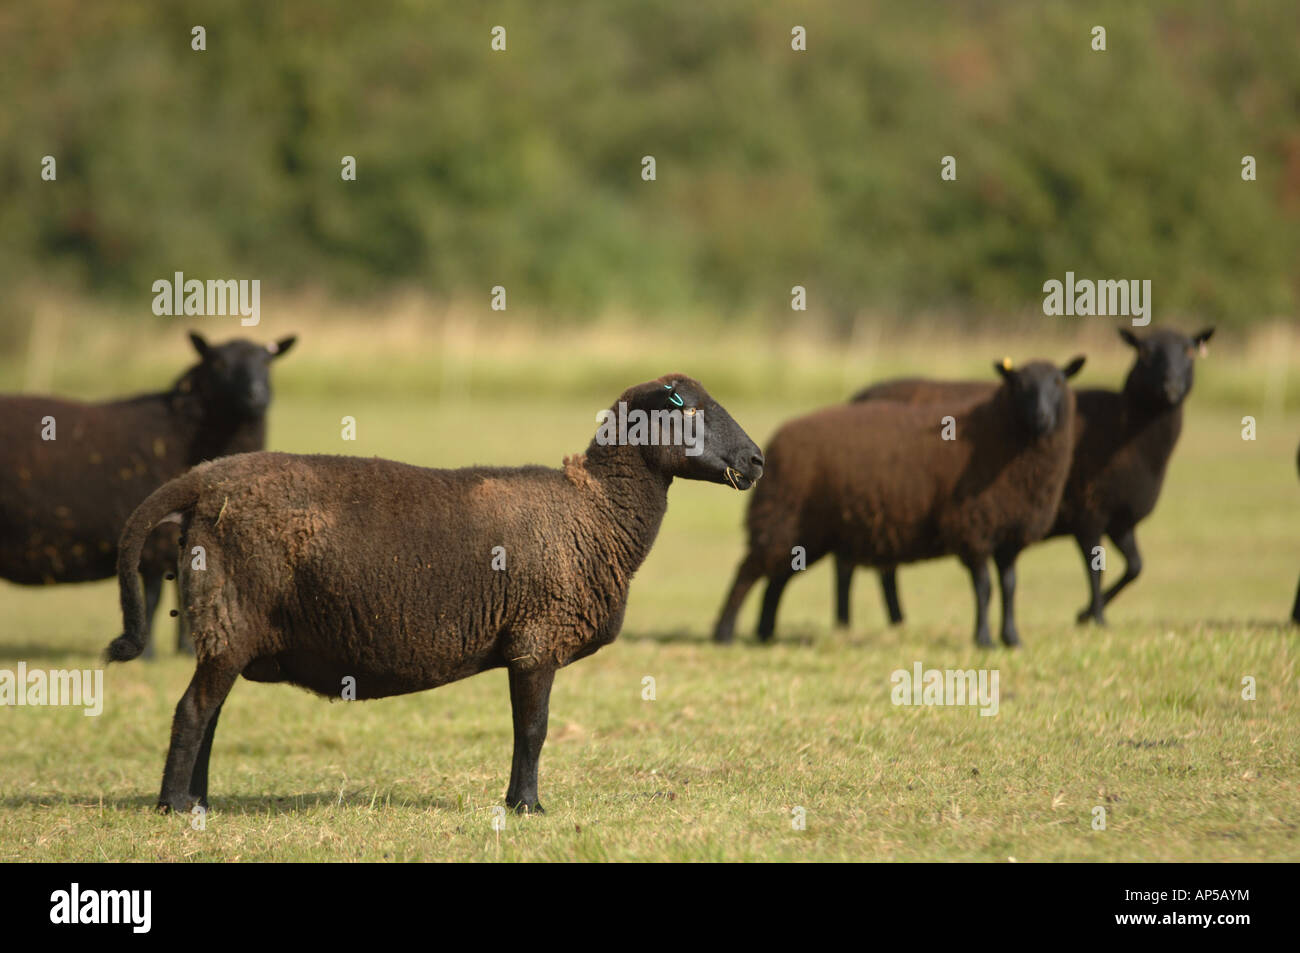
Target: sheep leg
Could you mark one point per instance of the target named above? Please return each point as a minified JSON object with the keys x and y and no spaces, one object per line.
{"x":1127,"y":543}
{"x":979,"y":575}
{"x":843,"y":584}
{"x":1093,"y":610}
{"x":889,"y":587}
{"x":1295,"y":610}
{"x":208,"y":689}
{"x":530,"y":699}
{"x":748,"y":574}
{"x":771,"y":599}
{"x":152,"y":595}
{"x":1006,"y":562}
{"x":199,"y":780}
{"x":184,"y":638}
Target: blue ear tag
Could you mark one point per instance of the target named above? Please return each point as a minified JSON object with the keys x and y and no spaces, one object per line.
{"x":674,"y":396}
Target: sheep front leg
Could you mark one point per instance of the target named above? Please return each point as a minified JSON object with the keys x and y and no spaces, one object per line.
{"x":843,"y":588}
{"x":1295,"y":610}
{"x":979,"y":575}
{"x":190,"y":736}
{"x":530,"y":700}
{"x":1006,"y":562}
{"x":1088,"y":542}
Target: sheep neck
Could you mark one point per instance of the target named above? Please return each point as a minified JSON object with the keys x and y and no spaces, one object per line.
{"x":1157,"y":425}
{"x":208,"y":432}
{"x":633,"y":497}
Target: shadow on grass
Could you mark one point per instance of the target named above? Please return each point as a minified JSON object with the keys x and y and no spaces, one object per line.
{"x":241,"y":804}
{"x":686,"y":637}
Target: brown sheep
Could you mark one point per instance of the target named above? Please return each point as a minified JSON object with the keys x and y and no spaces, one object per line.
{"x":72,"y":472}
{"x":400,"y":578}
{"x":878,"y":484}
{"x":1123,"y":442}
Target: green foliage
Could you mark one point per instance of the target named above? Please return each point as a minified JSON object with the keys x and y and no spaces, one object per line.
{"x":775,"y":168}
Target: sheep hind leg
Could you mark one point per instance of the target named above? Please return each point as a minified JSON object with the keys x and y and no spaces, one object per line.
{"x":1006,"y":563}
{"x":771,"y":600}
{"x":1126,"y":540}
{"x":979,"y":575}
{"x":724,"y":629}
{"x":199,"y":779}
{"x":889,"y":588}
{"x":1088,"y":543}
{"x":1295,"y":610}
{"x":530,"y":700}
{"x":197,"y":708}
{"x":152,"y":595}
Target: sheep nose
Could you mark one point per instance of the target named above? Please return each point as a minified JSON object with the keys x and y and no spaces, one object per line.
{"x":757,"y":459}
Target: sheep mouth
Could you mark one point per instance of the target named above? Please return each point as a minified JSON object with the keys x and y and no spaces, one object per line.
{"x":737,"y":480}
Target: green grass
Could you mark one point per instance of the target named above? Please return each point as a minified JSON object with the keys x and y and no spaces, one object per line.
{"x":1144,"y":718}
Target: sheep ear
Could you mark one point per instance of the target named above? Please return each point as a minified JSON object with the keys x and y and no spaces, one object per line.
{"x":200,"y":345}
{"x":1129,"y":338}
{"x":1073,"y":367}
{"x":277,"y":348}
{"x":1200,"y":339}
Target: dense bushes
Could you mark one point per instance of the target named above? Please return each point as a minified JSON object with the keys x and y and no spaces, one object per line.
{"x":775,"y":168}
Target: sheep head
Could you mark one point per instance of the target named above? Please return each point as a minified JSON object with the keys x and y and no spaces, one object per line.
{"x":1163,"y":371}
{"x":1038,"y":392}
{"x":235,"y":376}
{"x":680,"y":431}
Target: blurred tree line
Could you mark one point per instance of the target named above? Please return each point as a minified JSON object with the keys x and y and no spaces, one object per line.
{"x":774,"y":167}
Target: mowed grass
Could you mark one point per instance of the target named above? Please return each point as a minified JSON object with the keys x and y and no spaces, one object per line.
{"x":1145,"y":718}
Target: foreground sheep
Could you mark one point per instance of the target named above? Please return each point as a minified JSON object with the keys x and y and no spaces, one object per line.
{"x":877,"y":484}
{"x":326,"y":572}
{"x":71,"y":473}
{"x":1123,"y":442}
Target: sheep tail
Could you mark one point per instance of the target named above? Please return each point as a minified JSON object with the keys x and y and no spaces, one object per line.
{"x":166,"y":504}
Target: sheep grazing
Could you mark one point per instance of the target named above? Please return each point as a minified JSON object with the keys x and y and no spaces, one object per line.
{"x":878,"y":484}
{"x":71,"y":472}
{"x":1123,"y":442}
{"x":338,"y":573}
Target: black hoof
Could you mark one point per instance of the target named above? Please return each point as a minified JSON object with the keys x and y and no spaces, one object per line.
{"x":180,"y":804}
{"x":522,"y":807}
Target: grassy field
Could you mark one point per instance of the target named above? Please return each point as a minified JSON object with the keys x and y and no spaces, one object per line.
{"x":1145,"y":718}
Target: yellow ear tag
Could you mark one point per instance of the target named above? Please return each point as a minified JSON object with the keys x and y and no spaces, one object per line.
{"x":1006,"y":364}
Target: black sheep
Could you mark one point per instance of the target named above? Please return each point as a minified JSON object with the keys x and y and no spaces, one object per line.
{"x":64,"y":501}
{"x":878,"y":483}
{"x":1123,"y":444}
{"x":402,"y":578}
